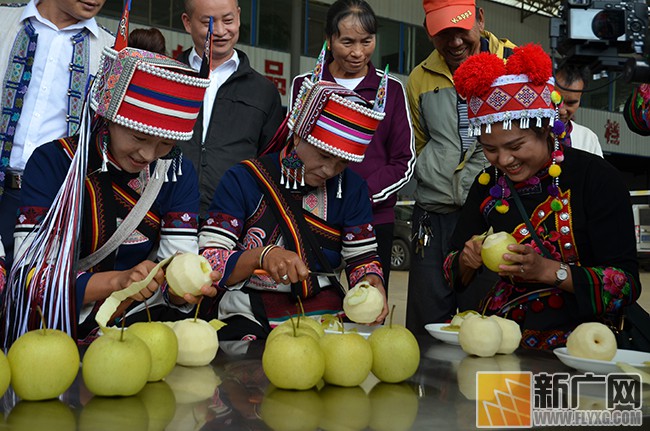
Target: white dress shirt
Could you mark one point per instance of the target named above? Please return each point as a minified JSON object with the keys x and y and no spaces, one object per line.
{"x":218,"y":76}
{"x":45,"y":107}
{"x":585,"y":139}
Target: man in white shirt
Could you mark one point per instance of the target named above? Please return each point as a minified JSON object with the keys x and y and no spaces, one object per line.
{"x":241,"y":109}
{"x":49,"y":49}
{"x":570,"y":82}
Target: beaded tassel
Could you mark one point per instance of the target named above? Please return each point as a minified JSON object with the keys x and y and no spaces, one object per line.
{"x":559,"y":131}
{"x":179,"y":172}
{"x":291,"y":165}
{"x":339,"y":192}
{"x":499,"y":192}
{"x":173,"y":170}
{"x":104,"y":156}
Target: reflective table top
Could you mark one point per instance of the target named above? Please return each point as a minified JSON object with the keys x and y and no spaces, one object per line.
{"x":234,"y":394}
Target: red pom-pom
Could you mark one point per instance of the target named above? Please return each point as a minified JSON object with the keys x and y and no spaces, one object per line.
{"x":475,"y":76}
{"x":530,"y":60}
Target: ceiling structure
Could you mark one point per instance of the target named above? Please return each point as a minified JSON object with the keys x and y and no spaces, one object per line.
{"x":531,"y":7}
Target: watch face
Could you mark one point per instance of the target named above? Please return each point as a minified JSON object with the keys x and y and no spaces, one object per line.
{"x":561,"y":274}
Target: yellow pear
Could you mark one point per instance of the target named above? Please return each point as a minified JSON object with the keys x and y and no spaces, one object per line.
{"x":293,"y":361}
{"x":33,"y":381}
{"x":348,"y":358}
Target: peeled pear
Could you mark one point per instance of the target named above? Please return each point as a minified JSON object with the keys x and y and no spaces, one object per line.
{"x":363,"y":303}
{"x":510,"y":334}
{"x":592,"y":340}
{"x":480,"y":336}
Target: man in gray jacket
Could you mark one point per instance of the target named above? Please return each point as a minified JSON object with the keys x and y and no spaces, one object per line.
{"x":448,"y":159}
{"x":241,"y":109}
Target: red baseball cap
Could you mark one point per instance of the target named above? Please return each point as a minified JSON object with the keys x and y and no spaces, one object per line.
{"x":443,"y":14}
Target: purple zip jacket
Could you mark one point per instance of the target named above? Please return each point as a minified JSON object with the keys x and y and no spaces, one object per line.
{"x":389,"y":161}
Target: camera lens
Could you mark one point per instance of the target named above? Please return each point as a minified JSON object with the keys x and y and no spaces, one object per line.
{"x":609,"y":24}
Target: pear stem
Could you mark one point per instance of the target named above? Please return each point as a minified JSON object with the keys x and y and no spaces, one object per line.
{"x":486,"y":306}
{"x":341,"y":324}
{"x":40,"y":313}
{"x":122,"y":330}
{"x":146,"y":307}
{"x":196,"y":313}
{"x":390,"y":319}
{"x":293,"y":325}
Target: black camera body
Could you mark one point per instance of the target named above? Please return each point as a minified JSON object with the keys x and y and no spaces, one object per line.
{"x":609,"y":35}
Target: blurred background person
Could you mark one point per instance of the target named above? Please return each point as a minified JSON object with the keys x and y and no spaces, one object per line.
{"x":570,"y":82}
{"x":241,"y":108}
{"x":150,"y":39}
{"x":49,"y":50}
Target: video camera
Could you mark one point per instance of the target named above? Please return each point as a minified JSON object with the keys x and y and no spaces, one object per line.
{"x":610,"y":35}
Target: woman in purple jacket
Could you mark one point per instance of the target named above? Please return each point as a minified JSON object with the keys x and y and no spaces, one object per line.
{"x":351,"y":30}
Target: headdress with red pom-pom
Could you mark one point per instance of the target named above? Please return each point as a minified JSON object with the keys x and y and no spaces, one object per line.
{"x":521,"y":89}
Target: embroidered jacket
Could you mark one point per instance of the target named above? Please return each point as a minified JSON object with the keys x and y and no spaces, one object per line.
{"x":593,"y":233}
{"x":169,"y":226}
{"x":240,"y":219}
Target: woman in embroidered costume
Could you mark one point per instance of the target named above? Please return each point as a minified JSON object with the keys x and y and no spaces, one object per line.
{"x":143,"y":103}
{"x":583,"y":265}
{"x":637,"y":110}
{"x":295,"y":211}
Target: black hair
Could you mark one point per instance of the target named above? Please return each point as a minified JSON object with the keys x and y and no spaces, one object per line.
{"x":341,"y":9}
{"x":572,"y":73}
{"x":150,"y":39}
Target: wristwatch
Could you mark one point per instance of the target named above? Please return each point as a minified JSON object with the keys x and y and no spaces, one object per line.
{"x":561,"y":274}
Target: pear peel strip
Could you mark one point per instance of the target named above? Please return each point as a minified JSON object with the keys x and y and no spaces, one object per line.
{"x":629,"y":369}
{"x":112,"y":302}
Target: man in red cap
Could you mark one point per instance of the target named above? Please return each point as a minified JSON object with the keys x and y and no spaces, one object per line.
{"x":448,"y":159}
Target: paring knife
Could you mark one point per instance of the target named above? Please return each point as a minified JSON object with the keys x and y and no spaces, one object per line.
{"x":325,"y":274}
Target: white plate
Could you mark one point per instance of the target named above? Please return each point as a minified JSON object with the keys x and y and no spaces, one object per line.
{"x":363,"y":330}
{"x":631,"y":357}
{"x":435,"y":330}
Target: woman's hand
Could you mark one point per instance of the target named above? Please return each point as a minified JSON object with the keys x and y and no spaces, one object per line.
{"x":470,"y":256}
{"x":375,"y":281}
{"x":206,"y":290}
{"x":469,"y":259}
{"x":139,"y":273}
{"x":284,"y":266}
{"x":531,"y":267}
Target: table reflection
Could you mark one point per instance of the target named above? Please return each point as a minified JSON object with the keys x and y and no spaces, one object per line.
{"x":234,"y":394}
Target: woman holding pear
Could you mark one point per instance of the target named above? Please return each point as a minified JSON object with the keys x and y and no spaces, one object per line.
{"x":110,"y":201}
{"x":281,"y":227}
{"x":574,"y":257}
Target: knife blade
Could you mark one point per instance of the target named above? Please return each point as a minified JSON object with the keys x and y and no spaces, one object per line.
{"x":325,"y":274}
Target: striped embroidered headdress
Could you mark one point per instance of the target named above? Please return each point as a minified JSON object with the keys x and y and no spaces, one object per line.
{"x":336,"y":120}
{"x":148,"y":92}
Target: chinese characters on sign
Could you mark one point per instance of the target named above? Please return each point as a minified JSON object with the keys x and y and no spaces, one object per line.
{"x":612,"y":132}
{"x":523,"y":399}
{"x":274,"y":70}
